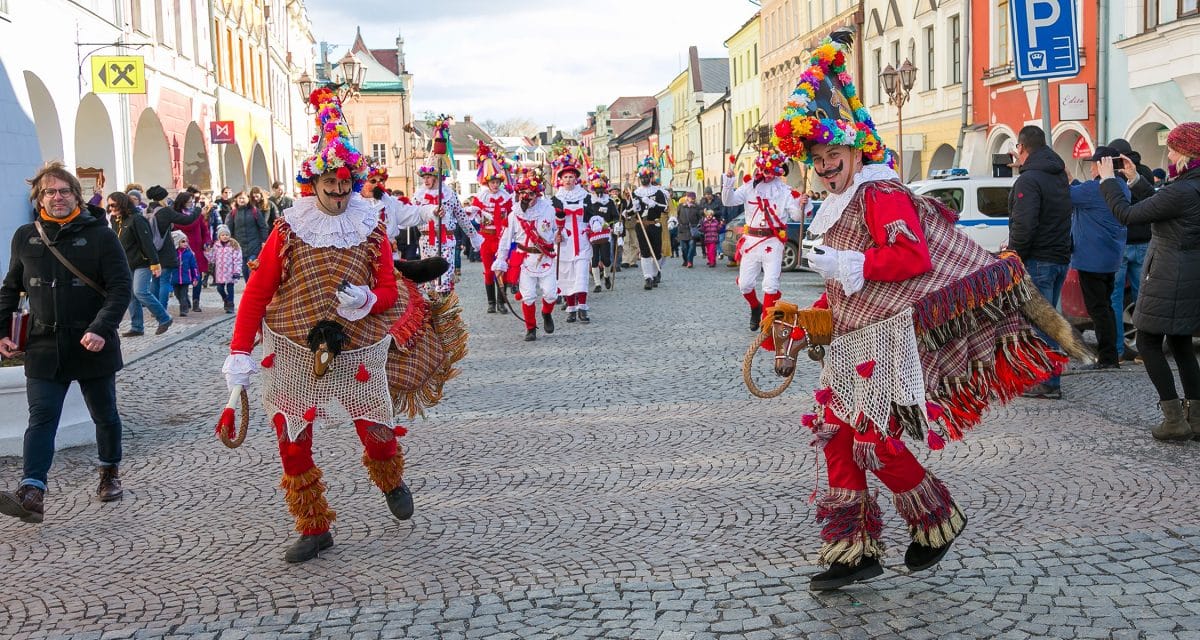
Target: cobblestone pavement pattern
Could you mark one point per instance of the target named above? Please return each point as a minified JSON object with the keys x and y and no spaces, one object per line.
{"x":608,"y":481}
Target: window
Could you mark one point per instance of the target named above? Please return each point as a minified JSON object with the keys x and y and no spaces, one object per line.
{"x":379,"y":153}
{"x":1149,"y":15}
{"x":953,"y":198}
{"x":4,"y":7}
{"x":1186,"y":7}
{"x":993,"y":201}
{"x":955,"y":50}
{"x":755,"y":58}
{"x":930,"y":76}
{"x":896,"y":54}
{"x":878,"y":68}
{"x":1001,"y":33}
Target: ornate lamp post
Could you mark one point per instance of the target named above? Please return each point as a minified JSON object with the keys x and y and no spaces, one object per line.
{"x":898,"y":84}
{"x":346,"y":81}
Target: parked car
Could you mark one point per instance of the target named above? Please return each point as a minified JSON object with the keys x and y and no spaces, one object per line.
{"x":981,"y":204}
{"x":791,"y":248}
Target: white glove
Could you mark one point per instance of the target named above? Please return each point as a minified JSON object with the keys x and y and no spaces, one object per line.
{"x":237,"y":370}
{"x":476,"y":240}
{"x":355,"y":302}
{"x":844,"y":266}
{"x":499,"y":266}
{"x":429,"y":212}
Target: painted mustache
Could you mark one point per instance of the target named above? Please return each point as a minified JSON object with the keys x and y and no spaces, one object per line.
{"x":337,"y":194}
{"x":833,"y":171}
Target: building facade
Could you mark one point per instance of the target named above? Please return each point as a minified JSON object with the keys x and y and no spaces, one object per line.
{"x":716,"y":129}
{"x":745,"y":100}
{"x":1001,"y":105}
{"x":930,"y":35}
{"x":1151,"y":73}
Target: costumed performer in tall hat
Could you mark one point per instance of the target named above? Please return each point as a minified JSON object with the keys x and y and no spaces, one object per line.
{"x":601,"y":217}
{"x":928,"y":330}
{"x":342,"y":341}
{"x":649,"y":203}
{"x":770,"y":203}
{"x":571,"y":204}
{"x":490,"y":209}
{"x":527,"y":251}
{"x":438,"y":239}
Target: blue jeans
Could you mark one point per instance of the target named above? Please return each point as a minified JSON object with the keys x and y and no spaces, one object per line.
{"x":1131,"y":267}
{"x":226,"y":292}
{"x":688,"y":249}
{"x":45,"y":399}
{"x":166,"y":285}
{"x":1048,"y":277}
{"x":144,"y":295}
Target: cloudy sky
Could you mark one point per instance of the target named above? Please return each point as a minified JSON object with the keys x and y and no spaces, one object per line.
{"x":549,"y":61}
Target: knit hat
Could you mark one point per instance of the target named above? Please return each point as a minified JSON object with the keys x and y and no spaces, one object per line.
{"x":157,"y":193}
{"x":1185,"y":139}
{"x":334,"y":149}
{"x":222,"y":229}
{"x":178,"y":236}
{"x":825,"y":108}
{"x":134,"y":193}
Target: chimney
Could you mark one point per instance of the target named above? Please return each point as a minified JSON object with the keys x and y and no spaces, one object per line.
{"x":694,"y":68}
{"x":467,"y":119}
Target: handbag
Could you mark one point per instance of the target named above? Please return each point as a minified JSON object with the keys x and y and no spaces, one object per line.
{"x":697,"y":234}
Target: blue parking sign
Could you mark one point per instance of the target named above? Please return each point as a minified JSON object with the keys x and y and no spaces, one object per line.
{"x":1045,"y":38}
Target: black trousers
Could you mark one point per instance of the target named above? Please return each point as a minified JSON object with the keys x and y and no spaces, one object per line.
{"x":654,"y":231}
{"x":602,"y":254}
{"x":1097,"y":291}
{"x":1150,"y":347}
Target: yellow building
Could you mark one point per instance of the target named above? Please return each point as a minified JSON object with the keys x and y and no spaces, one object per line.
{"x":745,"y":89}
{"x":677,"y":92}
{"x":932,"y":39}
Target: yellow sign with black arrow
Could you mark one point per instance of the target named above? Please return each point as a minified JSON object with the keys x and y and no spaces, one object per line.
{"x":118,"y":74}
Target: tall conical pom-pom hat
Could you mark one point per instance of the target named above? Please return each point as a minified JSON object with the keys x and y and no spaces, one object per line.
{"x":441,"y":153}
{"x":490,"y":167}
{"x":334,"y":149}
{"x":825,"y":108}
{"x":647,"y":167}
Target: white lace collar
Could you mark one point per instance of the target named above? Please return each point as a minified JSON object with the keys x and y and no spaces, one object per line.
{"x":319,"y":229}
{"x":833,"y":206}
{"x":573,"y":194}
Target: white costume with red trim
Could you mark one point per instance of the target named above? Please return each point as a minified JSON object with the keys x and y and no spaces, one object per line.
{"x":575,"y":253}
{"x":453,"y":217}
{"x":769,"y":205}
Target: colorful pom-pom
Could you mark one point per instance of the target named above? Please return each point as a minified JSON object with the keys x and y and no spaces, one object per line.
{"x":809,"y":420}
{"x":935,"y":442}
{"x":400,"y":431}
{"x":310,"y":414}
{"x":746,"y":178}
{"x":824,"y":396}
{"x":343,"y":173}
{"x":225,"y":424}
{"x":866,"y":368}
{"x":362,"y":375}
{"x":268,"y":361}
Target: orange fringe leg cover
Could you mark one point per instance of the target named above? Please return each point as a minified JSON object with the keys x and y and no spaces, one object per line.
{"x":304,"y":491}
{"x":382,"y":455}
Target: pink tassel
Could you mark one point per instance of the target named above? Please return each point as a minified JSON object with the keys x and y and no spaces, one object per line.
{"x":225,"y":424}
{"x":896,"y":445}
{"x":824,"y":396}
{"x":809,"y":420}
{"x":934,"y":411}
{"x":268,"y":361}
{"x":363,"y":375}
{"x":934,"y":441}
{"x":399,"y":431}
{"x":310,"y":414}
{"x":866,"y":369}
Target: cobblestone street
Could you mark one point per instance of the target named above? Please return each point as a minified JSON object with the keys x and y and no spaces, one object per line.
{"x":612,"y":480}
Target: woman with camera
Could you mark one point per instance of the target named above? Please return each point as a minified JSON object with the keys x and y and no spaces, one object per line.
{"x":1168,"y":305}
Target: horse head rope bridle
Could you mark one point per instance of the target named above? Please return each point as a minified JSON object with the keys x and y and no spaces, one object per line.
{"x":817,"y":325}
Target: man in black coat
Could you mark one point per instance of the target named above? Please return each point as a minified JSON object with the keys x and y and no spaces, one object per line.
{"x":73,"y":321}
{"x":1039,"y":224}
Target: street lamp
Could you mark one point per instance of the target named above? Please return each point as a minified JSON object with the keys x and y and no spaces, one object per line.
{"x":898,"y":84}
{"x":346,"y":81}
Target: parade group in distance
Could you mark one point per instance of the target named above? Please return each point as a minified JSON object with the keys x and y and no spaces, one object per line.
{"x":920,"y":330}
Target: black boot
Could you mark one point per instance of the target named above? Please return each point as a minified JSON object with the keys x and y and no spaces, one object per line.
{"x":657,"y":278}
{"x":840,"y":574}
{"x":570,"y":316}
{"x":755,"y":318}
{"x":920,"y":557}
{"x":547,"y":323}
{"x":530,"y":335}
{"x":400,"y":502}
{"x":491,"y":296}
{"x":307,"y":547}
{"x":583,"y":316}
{"x":649,"y":284}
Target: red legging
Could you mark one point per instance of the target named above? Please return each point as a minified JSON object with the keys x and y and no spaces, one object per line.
{"x":487,"y":253}
{"x":302,"y":478}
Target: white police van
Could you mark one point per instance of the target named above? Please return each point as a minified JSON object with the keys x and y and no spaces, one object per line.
{"x":981,"y":204}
